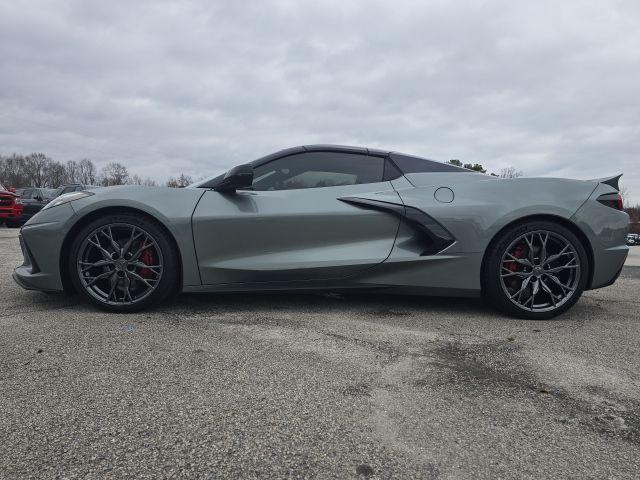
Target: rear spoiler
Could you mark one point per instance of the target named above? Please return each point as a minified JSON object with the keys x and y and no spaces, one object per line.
{"x":611,"y":181}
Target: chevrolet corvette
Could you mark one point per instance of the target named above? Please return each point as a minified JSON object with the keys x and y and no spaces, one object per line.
{"x":327,"y":217}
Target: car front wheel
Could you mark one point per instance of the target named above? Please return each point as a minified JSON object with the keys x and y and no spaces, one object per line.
{"x":535,"y":270}
{"x":123,"y":263}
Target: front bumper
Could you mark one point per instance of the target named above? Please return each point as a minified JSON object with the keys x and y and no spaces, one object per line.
{"x":41,"y":240}
{"x":10,"y":213}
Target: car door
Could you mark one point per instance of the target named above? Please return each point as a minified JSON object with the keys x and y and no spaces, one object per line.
{"x":39,"y":200}
{"x":28,"y":202}
{"x":292,"y":225}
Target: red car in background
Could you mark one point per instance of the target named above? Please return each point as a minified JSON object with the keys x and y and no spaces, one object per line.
{"x":10,"y":207}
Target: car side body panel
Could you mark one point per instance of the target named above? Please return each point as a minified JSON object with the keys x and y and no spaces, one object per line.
{"x":288,"y":235}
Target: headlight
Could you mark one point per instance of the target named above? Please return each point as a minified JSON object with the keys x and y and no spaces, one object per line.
{"x":67,"y":197}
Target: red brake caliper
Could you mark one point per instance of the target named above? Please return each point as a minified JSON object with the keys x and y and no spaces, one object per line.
{"x":148,"y":258}
{"x":518,"y":252}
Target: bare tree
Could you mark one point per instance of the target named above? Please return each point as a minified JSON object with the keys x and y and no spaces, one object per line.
{"x":35,"y":166}
{"x":86,"y":172}
{"x":12,"y":170}
{"x":625,"y":193}
{"x":180,"y":182}
{"x":510,"y":172}
{"x":114,"y":173}
{"x":148,"y":182}
{"x":38,"y":170}
{"x":55,"y":173}
{"x":138,"y":180}
{"x":71,"y":171}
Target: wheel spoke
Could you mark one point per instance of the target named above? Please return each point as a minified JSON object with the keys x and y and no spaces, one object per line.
{"x":106,"y":255}
{"x":515,"y":274}
{"x":127,"y":288}
{"x":144,"y":246}
{"x":568,"y":265}
{"x":114,"y":284}
{"x":535,"y":288}
{"x":114,"y":244}
{"x":138,"y":264}
{"x":553,"y":258}
{"x":141,"y":279}
{"x":521,"y":261}
{"x":546,"y":288}
{"x":99,"y":277}
{"x":530,"y":245}
{"x":100,"y":263}
{"x":132,"y":238}
{"x":523,"y":286}
{"x":543,"y":250}
{"x":560,"y":284}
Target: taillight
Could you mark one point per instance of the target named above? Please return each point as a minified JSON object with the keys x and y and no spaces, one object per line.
{"x":613,"y":200}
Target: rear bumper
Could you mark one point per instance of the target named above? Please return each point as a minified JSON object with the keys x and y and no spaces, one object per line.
{"x":606,"y":230}
{"x":608,"y":266}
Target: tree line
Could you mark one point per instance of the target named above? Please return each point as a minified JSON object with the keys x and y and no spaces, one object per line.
{"x":38,"y":170}
{"x":507,"y":172}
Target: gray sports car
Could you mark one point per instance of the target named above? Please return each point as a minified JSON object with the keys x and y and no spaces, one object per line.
{"x":332,"y":217}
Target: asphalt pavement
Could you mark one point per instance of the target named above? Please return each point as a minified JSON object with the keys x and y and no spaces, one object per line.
{"x":317,"y":386}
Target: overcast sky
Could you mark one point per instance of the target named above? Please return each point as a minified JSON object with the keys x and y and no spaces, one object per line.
{"x":550,"y":87}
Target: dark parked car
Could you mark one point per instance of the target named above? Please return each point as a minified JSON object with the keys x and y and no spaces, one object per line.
{"x":33,"y":199}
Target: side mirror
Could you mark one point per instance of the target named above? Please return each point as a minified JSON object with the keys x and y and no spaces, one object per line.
{"x":38,"y":198}
{"x":238,"y":177}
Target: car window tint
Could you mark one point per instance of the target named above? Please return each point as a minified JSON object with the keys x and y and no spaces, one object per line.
{"x":316,"y":170}
{"x":410,"y":164}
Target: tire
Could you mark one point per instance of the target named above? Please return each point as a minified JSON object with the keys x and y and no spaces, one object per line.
{"x":116,"y":279}
{"x":556,"y":279}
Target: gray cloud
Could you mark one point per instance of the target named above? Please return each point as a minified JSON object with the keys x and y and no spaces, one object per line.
{"x":551,"y":88}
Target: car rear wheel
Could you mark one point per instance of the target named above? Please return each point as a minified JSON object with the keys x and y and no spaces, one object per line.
{"x":123,"y":263}
{"x":536,"y":270}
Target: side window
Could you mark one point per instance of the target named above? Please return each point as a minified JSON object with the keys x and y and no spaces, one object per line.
{"x":410,"y":164}
{"x":27,"y":194}
{"x":316,"y":170}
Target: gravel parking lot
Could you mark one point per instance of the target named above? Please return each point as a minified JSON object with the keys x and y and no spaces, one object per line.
{"x":329,"y":386}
